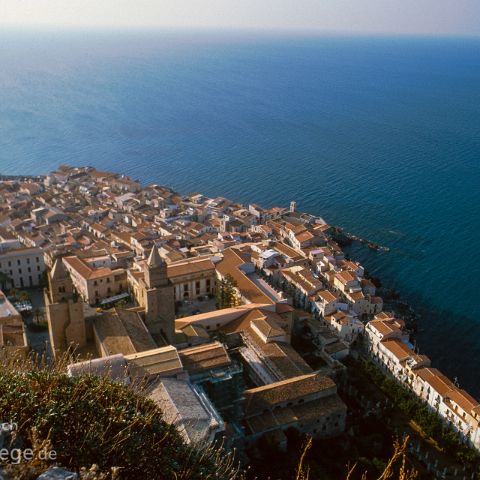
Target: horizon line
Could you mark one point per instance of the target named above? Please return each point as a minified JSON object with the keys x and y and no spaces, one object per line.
{"x":231,"y":29}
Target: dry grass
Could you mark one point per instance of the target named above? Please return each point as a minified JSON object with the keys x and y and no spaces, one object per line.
{"x":395,"y":468}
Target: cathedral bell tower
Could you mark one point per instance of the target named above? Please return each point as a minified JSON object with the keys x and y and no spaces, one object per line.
{"x":66,"y":322}
{"x":159,"y":299}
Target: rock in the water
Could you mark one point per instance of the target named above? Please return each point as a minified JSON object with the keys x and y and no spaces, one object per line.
{"x":58,"y":473}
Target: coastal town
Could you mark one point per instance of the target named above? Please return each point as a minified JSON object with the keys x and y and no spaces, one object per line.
{"x":239,"y":319}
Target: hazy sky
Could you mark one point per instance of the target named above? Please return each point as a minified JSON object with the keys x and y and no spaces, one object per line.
{"x":366,"y":16}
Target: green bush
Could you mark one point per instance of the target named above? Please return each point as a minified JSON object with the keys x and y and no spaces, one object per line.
{"x":91,"y":420}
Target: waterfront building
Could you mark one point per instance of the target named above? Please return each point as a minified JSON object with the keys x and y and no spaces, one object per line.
{"x":326,"y":302}
{"x":348,"y":327}
{"x":459,"y":409}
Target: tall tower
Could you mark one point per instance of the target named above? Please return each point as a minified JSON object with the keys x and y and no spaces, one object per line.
{"x":66,"y":322}
{"x":159,"y":298}
{"x":293,"y":206}
{"x":156,"y":272}
{"x":60,"y":283}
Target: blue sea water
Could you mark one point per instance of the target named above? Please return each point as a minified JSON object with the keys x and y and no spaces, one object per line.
{"x":378,"y":135}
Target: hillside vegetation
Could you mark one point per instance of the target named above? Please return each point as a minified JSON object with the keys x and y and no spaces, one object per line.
{"x":92,"y":421}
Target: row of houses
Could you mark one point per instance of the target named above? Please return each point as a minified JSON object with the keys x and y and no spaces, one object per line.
{"x":388,"y":345}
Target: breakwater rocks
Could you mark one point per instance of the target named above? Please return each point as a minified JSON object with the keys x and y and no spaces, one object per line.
{"x":344,"y":238}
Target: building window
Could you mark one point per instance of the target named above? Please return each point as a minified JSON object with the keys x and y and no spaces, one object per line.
{"x":9,"y":263}
{"x":29,"y":269}
{"x":18,"y":262}
{"x":37,"y":259}
{"x":38,"y":268}
{"x":28,"y":261}
{"x":20,"y":271}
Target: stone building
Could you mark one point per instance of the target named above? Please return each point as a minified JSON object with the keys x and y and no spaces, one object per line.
{"x":309,"y":403}
{"x":13,"y":338}
{"x":95,"y":284}
{"x":211,"y":368}
{"x":154,"y":292}
{"x":64,"y":310}
{"x":192,"y":278}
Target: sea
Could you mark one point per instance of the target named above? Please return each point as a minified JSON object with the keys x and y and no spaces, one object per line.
{"x":379,"y":135}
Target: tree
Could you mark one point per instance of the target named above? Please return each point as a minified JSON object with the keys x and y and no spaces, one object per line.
{"x":5,"y":280}
{"x":24,"y":296}
{"x":37,"y":313}
{"x":227,"y":295}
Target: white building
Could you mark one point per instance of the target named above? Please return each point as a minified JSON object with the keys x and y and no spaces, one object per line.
{"x":23,"y":266}
{"x":326,"y":302}
{"x":346,"y":326}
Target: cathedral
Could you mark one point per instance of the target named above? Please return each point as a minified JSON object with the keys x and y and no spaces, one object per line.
{"x":156,"y":295}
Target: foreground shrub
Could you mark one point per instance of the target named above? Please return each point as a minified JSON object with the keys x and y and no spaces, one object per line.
{"x":91,"y":420}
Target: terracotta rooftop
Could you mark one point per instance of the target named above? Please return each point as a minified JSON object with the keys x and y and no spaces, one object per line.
{"x":284,"y":358}
{"x":439,"y":382}
{"x":122,"y":331}
{"x":158,"y":361}
{"x":87,"y":272}
{"x":230,"y":265}
{"x":267,"y":396}
{"x":204,"y":357}
{"x":385,"y":327}
{"x":191,"y":266}
{"x":398,"y":348}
